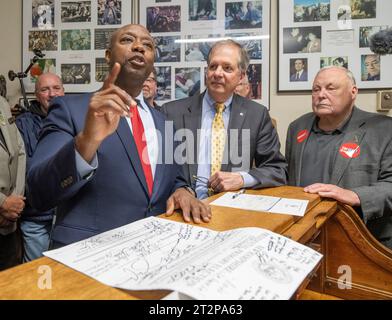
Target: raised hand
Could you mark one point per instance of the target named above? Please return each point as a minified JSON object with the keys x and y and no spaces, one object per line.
{"x":106,"y":108}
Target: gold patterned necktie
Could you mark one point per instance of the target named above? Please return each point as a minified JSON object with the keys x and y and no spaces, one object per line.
{"x":218,"y":138}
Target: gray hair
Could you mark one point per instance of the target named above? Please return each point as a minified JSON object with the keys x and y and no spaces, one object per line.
{"x":348,"y":73}
{"x":243,"y":62}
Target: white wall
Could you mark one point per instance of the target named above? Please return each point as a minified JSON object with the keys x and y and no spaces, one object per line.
{"x":284,"y":107}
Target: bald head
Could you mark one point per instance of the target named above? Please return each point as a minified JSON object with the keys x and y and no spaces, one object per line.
{"x":47,"y":87}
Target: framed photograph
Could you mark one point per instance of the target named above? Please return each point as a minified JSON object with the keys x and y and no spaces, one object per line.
{"x":318,"y":33}
{"x":73,"y":36}
{"x":185,"y":30}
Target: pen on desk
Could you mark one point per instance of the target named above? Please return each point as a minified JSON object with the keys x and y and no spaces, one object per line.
{"x":238,"y":193}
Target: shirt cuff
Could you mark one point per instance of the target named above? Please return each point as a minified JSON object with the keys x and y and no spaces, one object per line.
{"x":85,"y":170}
{"x":249,"y":180}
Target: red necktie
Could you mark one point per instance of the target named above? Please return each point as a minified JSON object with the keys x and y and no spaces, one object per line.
{"x":138,"y":133}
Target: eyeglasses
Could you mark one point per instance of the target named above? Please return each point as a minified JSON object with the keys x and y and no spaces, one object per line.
{"x":204,"y":182}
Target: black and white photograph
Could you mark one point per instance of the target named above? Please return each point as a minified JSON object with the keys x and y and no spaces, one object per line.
{"x":101,"y":69}
{"x":163,"y":83}
{"x":164,"y":19}
{"x":76,"y":73}
{"x":251,"y":42}
{"x":109,"y":12}
{"x":202,"y":10}
{"x":78,"y":39}
{"x":198,"y":47}
{"x":298,"y":69}
{"x":254,"y":78}
{"x":102,"y":38}
{"x":76,"y":11}
{"x":167,"y":49}
{"x":302,"y":40}
{"x":243,"y":15}
{"x":365,"y":34}
{"x":43,"y":14}
{"x":187,"y":82}
{"x":341,"y":61}
{"x":312,"y":10}
{"x":363,"y":9}
{"x":371,"y":67}
{"x":42,"y":66}
{"x":43,"y":40}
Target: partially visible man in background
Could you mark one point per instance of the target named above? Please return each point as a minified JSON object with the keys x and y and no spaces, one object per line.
{"x":150,"y":90}
{"x":12,"y":182}
{"x":36,"y":225}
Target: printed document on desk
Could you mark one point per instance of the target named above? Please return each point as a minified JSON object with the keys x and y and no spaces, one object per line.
{"x":155,"y":253}
{"x":251,"y":202}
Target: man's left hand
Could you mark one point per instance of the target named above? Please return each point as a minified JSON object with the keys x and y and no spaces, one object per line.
{"x":331,"y":191}
{"x":190,"y":206}
{"x":226,"y":181}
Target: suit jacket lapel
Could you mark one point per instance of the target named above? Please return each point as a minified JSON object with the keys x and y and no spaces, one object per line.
{"x":236,"y":121}
{"x":355,"y":133}
{"x":299,"y":150}
{"x":192,"y":121}
{"x":128,"y":142}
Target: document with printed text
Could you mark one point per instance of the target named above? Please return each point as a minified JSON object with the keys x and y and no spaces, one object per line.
{"x":269,"y":204}
{"x":155,"y":253}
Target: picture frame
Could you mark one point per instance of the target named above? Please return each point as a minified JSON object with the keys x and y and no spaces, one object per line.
{"x":184,"y":41}
{"x":73,"y":35}
{"x":319,"y":33}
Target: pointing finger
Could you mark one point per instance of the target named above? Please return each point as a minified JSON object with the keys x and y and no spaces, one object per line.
{"x":112,"y":77}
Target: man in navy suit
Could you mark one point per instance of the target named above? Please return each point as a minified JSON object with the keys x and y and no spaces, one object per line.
{"x":300,"y":73}
{"x":90,"y":161}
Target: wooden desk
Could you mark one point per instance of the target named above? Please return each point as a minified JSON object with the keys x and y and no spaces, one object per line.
{"x":313,"y":229}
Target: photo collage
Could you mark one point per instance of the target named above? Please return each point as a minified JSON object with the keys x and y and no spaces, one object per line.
{"x":73,"y":36}
{"x":320,"y":33}
{"x":184,"y":32}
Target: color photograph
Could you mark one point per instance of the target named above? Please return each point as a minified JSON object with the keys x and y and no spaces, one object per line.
{"x":298,"y":69}
{"x":365,"y":33}
{"x":75,"y":39}
{"x":244,"y":15}
{"x":42,"y":66}
{"x":252,"y":46}
{"x":109,"y":12}
{"x":311,"y":10}
{"x":164,"y":19}
{"x":363,"y":9}
{"x":371,"y":67}
{"x":187,"y":82}
{"x":302,"y":40}
{"x":334,"y":61}
{"x":254,"y":78}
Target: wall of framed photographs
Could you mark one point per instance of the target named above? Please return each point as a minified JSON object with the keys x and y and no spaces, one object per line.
{"x":318,"y":33}
{"x":184,"y":31}
{"x":73,"y":36}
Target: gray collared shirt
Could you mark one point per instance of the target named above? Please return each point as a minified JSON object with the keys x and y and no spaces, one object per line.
{"x":320,"y":153}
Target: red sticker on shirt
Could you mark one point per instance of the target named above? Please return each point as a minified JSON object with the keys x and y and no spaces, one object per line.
{"x":350,"y":150}
{"x":302,"y":136}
